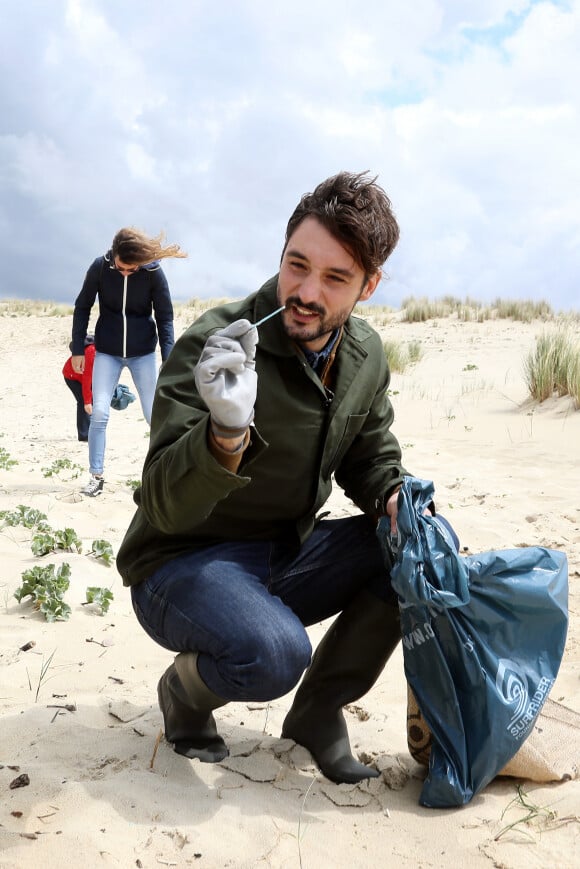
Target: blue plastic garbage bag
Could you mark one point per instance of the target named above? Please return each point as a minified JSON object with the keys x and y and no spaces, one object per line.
{"x":122,"y":397}
{"x":483,"y":639}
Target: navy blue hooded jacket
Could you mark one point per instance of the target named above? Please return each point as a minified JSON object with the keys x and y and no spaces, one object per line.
{"x":134,"y":310}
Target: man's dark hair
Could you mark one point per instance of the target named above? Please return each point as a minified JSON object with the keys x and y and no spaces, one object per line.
{"x":357,"y":212}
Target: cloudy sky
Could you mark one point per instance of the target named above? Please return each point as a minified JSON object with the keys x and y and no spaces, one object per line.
{"x":209,"y":120}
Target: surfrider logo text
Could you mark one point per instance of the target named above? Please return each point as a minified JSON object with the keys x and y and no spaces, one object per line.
{"x":513,"y":690}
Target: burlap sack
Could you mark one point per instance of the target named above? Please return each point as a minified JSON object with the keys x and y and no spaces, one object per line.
{"x":550,"y":753}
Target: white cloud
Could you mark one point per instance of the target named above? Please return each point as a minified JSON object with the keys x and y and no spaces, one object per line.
{"x":210,"y":121}
{"x":141,"y":165}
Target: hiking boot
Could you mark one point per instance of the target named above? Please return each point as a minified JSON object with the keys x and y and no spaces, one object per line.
{"x":94,"y":487}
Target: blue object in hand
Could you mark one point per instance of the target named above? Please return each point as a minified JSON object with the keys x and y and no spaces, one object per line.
{"x":483,"y":639}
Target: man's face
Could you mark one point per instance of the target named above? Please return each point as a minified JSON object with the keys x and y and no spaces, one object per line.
{"x":320,"y":283}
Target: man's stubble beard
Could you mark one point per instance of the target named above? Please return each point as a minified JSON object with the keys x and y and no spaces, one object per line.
{"x":324,"y":326}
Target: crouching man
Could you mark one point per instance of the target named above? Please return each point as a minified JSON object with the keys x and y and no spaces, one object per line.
{"x":227,"y":559}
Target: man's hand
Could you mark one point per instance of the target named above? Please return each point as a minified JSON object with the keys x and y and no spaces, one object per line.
{"x":88,"y":409}
{"x":78,"y":364}
{"x":226,"y":379}
{"x":392,"y":509}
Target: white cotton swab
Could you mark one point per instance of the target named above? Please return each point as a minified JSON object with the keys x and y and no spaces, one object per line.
{"x":267,"y":317}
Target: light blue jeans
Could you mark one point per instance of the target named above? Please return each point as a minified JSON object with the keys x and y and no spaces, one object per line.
{"x":106,"y":373}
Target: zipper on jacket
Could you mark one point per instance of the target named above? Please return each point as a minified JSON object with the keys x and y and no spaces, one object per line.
{"x":125,"y":279}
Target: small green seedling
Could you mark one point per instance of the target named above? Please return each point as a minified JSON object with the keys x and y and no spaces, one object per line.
{"x":101,"y":597}
{"x":30,"y":517}
{"x":535,"y":819}
{"x":44,"y":668}
{"x":48,"y":540}
{"x":5,"y":461}
{"x":60,"y":465}
{"x":102,"y":550}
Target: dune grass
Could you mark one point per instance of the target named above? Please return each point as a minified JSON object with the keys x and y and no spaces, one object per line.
{"x":194,"y":308}
{"x":525,"y":311}
{"x":401,"y":354}
{"x":34,"y":308}
{"x":379,"y":315}
{"x":412,"y":310}
{"x":553,"y":366}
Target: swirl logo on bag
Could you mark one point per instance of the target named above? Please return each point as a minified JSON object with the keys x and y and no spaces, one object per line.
{"x":513,"y":690}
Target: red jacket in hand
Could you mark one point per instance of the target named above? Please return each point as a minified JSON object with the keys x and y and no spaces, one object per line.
{"x":86,"y":378}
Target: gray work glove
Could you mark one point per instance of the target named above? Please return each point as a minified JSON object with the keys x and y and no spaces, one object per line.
{"x":226,"y":379}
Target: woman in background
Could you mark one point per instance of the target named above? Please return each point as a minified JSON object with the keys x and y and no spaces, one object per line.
{"x":135,"y":313}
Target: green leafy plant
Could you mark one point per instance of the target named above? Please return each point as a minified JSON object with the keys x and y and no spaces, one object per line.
{"x":101,"y":597}
{"x":46,"y":588}
{"x":60,"y":465}
{"x":49,"y":540}
{"x":6,"y":462}
{"x":133,"y":484}
{"x":470,"y":367}
{"x":43,"y":543}
{"x":22,"y":515}
{"x":102,"y":550}
{"x":55,"y":609}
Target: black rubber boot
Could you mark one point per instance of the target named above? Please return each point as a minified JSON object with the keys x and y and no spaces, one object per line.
{"x":348,"y":661}
{"x":186,"y":703}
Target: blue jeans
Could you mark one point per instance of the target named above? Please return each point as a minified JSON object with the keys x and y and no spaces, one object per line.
{"x":243,"y":606}
{"x":106,"y":373}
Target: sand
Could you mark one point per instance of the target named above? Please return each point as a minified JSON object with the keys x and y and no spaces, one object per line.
{"x":78,"y":710}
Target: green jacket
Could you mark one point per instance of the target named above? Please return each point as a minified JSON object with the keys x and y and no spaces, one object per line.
{"x":300,"y":439}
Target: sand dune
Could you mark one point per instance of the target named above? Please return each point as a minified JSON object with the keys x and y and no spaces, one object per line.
{"x":101,"y":791}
